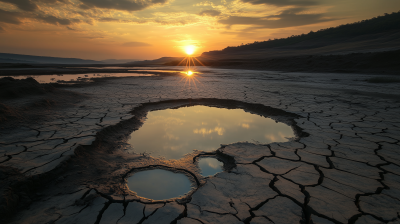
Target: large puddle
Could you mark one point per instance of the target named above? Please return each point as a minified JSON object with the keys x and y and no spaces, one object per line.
{"x":172,"y":133}
{"x":159,"y":184}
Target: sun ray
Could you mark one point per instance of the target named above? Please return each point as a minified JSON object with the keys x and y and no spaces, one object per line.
{"x":199,"y":62}
{"x":190,"y":75}
{"x":181,"y":61}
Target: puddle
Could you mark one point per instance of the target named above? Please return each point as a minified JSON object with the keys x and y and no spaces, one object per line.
{"x":76,"y":77}
{"x":134,"y":69}
{"x":210,"y":166}
{"x":154,"y":70}
{"x":172,"y":133}
{"x":159,"y":184}
{"x":109,"y":67}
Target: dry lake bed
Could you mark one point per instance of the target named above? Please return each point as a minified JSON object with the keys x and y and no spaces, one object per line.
{"x":227,"y":146}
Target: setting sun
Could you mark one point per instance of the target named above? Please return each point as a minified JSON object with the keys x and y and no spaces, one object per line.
{"x":190,"y":49}
{"x":189,"y":73}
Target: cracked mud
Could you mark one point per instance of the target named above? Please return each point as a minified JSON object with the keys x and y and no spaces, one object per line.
{"x":71,"y":165}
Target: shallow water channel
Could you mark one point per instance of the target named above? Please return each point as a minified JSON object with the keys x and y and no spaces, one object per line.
{"x":76,"y":77}
{"x":172,"y":133}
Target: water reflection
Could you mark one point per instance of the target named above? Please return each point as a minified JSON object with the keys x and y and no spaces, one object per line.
{"x":173,"y":133}
{"x":76,"y":77}
{"x":210,"y":166}
{"x":153,"y":70}
{"x":159,"y":184}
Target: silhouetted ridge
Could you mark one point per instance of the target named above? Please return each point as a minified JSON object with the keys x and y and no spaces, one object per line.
{"x":388,"y":22}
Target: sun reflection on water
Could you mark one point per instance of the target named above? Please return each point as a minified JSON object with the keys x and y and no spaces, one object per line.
{"x":190,"y":76}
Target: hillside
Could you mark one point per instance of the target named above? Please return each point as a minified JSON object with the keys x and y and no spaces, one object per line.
{"x":381,"y":33}
{"x":30,"y":59}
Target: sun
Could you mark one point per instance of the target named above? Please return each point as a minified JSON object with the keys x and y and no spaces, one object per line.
{"x":189,"y":49}
{"x":189,"y":73}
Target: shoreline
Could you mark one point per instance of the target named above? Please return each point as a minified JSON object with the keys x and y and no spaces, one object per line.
{"x":367,"y":63}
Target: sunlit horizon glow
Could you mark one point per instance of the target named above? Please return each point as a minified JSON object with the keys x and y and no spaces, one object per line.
{"x":146,"y":29}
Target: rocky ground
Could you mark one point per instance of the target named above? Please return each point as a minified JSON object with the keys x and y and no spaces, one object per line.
{"x":70,"y":164}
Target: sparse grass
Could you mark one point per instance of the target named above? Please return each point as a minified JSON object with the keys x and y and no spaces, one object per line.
{"x":383,"y":80}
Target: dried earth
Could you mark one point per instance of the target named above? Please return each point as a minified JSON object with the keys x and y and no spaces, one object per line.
{"x":70,"y":165}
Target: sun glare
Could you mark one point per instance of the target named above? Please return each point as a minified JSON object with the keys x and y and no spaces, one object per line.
{"x":190,"y":49}
{"x":190,"y":74}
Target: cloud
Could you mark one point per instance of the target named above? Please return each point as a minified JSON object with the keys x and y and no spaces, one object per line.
{"x":57,"y":21}
{"x":287,"y":18}
{"x":2,"y":30}
{"x":282,"y":2}
{"x":15,"y":18}
{"x":128,"y":5}
{"x":31,"y":5}
{"x":108,"y":20}
{"x":210,"y":12}
{"x":136,"y":44}
{"x":26,"y":5}
{"x":51,"y":1}
{"x":9,"y":17}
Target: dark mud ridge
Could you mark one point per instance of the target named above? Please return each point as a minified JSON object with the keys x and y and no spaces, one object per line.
{"x":11,"y":88}
{"x":27,"y":99}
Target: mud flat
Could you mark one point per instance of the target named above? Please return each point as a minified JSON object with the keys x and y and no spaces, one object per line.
{"x":343,"y":166}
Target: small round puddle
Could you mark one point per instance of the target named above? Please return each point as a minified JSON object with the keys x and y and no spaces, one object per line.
{"x":210,"y":166}
{"x":159,"y":184}
{"x":172,"y":133}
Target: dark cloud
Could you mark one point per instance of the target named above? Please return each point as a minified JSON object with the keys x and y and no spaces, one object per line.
{"x":210,"y":12}
{"x":51,"y":1}
{"x":15,"y":18}
{"x":128,"y":5}
{"x":26,"y":5}
{"x":31,"y":5}
{"x":56,"y":21}
{"x":108,"y":20}
{"x":287,"y":18}
{"x":10,"y":17}
{"x":113,"y":20}
{"x":283,"y":2}
{"x":136,"y":44}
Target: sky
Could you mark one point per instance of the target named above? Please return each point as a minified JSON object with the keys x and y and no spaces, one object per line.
{"x":150,"y":29}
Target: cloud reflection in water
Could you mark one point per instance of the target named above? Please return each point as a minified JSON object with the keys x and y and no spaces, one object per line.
{"x":172,"y":133}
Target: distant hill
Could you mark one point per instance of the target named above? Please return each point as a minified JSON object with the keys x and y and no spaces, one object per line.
{"x":159,"y":61}
{"x":30,"y":59}
{"x":380,"y":33}
{"x":118,"y":61}
{"x":12,"y":61}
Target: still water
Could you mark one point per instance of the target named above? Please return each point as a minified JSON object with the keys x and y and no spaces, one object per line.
{"x":210,"y":166}
{"x":76,"y":77}
{"x":172,"y":133}
{"x":159,"y":184}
